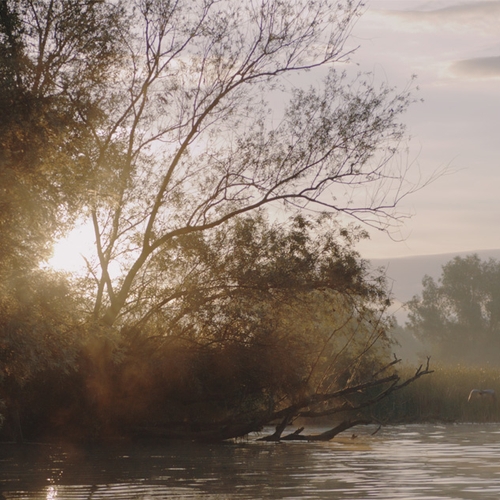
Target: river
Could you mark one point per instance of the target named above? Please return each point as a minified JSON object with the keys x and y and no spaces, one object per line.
{"x":399,"y":462}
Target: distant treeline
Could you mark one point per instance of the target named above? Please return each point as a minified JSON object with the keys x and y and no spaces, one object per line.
{"x":457,"y":317}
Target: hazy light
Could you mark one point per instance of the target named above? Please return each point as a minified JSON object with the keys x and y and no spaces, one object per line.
{"x":70,"y":252}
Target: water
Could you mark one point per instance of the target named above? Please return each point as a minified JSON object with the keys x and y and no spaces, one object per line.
{"x":402,"y":462}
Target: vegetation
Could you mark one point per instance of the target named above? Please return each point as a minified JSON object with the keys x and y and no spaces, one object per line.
{"x":147,"y":119}
{"x":459,"y":316}
{"x":443,"y":397}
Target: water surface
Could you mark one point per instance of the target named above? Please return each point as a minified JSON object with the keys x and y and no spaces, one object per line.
{"x":401,"y":462}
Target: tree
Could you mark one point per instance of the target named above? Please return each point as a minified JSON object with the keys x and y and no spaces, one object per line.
{"x":459,"y":314}
{"x":186,"y":141}
{"x":149,"y":118}
{"x":159,"y":126}
{"x":256,"y":322}
{"x":52,"y":53}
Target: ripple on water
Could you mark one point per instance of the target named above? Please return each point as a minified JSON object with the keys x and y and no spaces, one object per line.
{"x":400,"y":463}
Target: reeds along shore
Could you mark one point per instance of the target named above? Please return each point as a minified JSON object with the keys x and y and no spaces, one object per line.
{"x":443,"y":397}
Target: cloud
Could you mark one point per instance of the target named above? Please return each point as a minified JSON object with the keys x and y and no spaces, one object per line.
{"x":480,"y":67}
{"x":482,"y":16}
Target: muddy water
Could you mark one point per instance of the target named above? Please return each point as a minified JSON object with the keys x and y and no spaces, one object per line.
{"x":402,"y":462}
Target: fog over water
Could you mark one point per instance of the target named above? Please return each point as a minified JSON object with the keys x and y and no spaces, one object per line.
{"x":400,"y":462}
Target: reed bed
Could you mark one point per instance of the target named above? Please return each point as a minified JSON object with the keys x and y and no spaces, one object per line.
{"x":443,"y":397}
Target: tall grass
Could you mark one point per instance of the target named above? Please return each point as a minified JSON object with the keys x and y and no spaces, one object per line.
{"x":442,"y":396}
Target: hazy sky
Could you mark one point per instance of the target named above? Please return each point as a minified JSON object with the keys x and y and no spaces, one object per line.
{"x":454,"y":49}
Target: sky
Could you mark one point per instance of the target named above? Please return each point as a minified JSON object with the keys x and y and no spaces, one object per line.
{"x":453,"y":47}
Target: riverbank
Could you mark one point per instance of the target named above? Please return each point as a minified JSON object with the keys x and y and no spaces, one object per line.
{"x":443,"y":396}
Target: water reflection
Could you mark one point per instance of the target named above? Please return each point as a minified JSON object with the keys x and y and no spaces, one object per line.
{"x":405,"y":462}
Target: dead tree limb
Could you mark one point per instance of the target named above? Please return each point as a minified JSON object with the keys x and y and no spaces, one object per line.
{"x":294,"y":436}
{"x":276,"y":436}
{"x":305,"y":408}
{"x":328,"y":435}
{"x":324,"y":436}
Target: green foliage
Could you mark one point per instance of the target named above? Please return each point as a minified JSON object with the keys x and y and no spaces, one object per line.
{"x":55,"y":58}
{"x":252,"y":319}
{"x":39,"y":333}
{"x":459,"y":315}
{"x":256,"y":319}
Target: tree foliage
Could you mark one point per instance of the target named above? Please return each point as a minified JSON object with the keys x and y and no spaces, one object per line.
{"x":289,"y":325}
{"x":459,"y":314}
{"x":151,"y":120}
{"x":187,"y":141}
{"x":52,"y":54}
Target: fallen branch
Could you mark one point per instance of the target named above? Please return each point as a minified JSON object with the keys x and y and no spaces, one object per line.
{"x":324,"y":436}
{"x":296,"y":410}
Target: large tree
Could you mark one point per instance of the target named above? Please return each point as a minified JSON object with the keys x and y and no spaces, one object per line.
{"x":459,"y":314}
{"x":151,"y":119}
{"x":52,"y":54}
{"x":187,"y":140}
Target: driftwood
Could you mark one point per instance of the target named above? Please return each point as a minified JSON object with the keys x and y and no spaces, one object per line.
{"x":294,"y":436}
{"x":304,"y":408}
{"x":324,"y":436}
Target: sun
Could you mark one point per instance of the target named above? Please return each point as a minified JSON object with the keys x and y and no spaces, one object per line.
{"x":69,"y":253}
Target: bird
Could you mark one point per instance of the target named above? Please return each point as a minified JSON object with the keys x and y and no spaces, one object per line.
{"x":482,"y":393}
